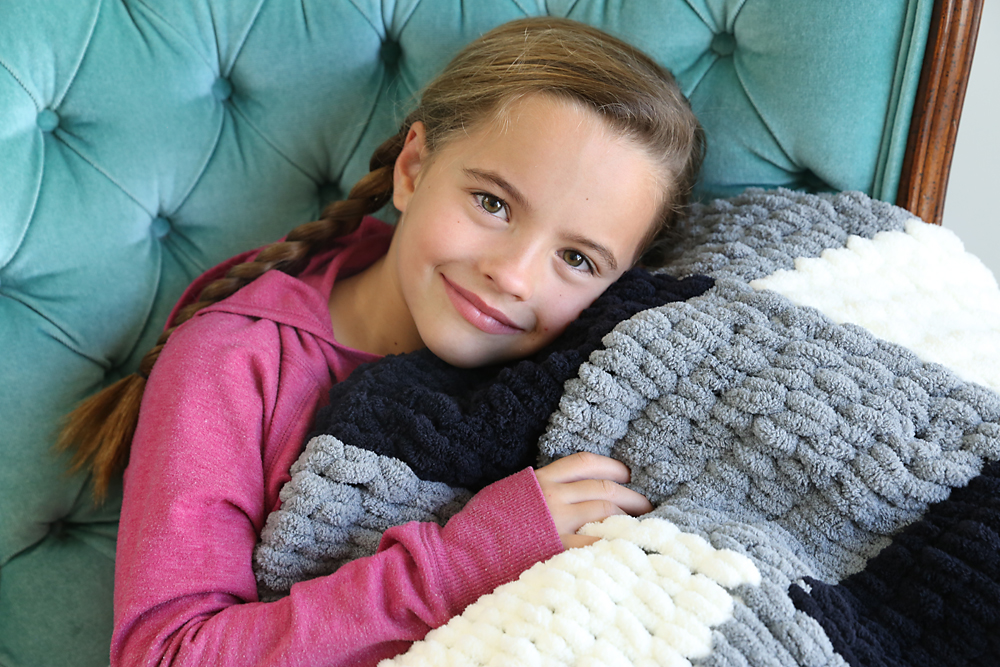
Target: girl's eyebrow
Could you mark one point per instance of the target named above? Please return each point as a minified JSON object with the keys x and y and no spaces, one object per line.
{"x":496,"y":179}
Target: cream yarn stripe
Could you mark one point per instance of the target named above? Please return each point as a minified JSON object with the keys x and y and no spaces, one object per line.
{"x":646,"y":594}
{"x":918,"y":288}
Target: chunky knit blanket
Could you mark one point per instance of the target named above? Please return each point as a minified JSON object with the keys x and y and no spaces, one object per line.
{"x":408,"y":437}
{"x":819,"y":432}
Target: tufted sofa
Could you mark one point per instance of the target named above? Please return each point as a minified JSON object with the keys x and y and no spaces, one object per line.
{"x":143,"y":141}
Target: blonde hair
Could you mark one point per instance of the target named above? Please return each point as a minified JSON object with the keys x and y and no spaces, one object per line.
{"x":544,"y":55}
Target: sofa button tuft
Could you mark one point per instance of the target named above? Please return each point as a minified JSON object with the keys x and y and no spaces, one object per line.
{"x":161,"y":226}
{"x":47,"y":120}
{"x":724,"y":44}
{"x":222,"y":89}
{"x":391,"y":53}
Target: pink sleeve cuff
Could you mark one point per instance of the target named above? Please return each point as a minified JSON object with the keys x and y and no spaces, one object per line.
{"x":504,"y":530}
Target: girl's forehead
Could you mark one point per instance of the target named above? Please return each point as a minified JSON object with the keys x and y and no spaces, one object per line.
{"x":562,"y":132}
{"x":542,"y":123}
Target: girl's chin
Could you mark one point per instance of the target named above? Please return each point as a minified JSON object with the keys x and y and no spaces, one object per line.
{"x":469,"y":356}
{"x":461,"y":360}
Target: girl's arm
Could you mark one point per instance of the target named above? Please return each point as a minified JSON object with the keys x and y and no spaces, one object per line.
{"x":224,"y":415}
{"x":369,"y":609}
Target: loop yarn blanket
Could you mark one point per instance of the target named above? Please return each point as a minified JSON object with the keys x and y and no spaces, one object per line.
{"x":819,"y":431}
{"x":406,"y":438}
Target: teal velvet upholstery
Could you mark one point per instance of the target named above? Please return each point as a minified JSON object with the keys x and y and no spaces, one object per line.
{"x":143,"y":141}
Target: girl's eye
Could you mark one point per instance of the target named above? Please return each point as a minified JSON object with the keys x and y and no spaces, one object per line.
{"x":576,"y":259}
{"x":491,"y":204}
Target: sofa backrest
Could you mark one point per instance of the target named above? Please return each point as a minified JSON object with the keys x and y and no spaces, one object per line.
{"x":144,"y":141}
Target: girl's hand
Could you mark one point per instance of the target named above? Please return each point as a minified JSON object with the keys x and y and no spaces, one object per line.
{"x":584,"y":488}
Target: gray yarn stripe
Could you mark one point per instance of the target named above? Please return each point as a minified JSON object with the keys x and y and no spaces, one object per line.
{"x":761,"y":231}
{"x":335,"y":508}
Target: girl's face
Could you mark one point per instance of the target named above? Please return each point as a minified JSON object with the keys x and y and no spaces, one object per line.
{"x":509,"y":232}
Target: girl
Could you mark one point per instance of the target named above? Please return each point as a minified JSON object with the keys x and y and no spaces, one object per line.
{"x":541,"y":164}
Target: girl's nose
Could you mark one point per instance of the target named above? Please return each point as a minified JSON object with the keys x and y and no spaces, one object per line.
{"x":513,"y":268}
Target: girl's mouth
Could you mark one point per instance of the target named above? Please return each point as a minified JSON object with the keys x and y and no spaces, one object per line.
{"x":477,"y":313}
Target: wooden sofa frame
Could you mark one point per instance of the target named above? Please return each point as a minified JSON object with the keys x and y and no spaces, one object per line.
{"x":936,"y":111}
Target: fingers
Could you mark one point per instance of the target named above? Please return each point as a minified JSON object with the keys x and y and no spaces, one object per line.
{"x":604,"y":491}
{"x":586,"y":488}
{"x":585,"y":465}
{"x":575,"y":541}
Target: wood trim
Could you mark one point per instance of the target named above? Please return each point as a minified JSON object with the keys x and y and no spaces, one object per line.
{"x":936,"y":111}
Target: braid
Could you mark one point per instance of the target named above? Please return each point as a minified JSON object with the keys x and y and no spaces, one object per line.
{"x":100,"y":429}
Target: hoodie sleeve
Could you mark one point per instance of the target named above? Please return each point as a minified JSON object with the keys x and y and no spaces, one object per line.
{"x":197,"y":495}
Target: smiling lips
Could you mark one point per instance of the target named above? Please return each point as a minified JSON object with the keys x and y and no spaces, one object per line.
{"x":477,"y":313}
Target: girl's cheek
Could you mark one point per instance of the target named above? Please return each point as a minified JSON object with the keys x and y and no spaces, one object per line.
{"x":560,"y":316}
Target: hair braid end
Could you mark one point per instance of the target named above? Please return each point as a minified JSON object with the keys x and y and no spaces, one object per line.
{"x":100,"y":430}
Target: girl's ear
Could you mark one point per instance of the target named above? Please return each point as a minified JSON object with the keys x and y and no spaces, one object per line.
{"x":408,"y":164}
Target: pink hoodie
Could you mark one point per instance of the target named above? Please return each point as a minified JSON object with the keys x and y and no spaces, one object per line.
{"x":225,"y":413}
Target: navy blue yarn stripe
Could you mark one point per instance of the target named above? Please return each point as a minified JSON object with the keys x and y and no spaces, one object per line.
{"x":932,"y":598}
{"x":471,"y":427}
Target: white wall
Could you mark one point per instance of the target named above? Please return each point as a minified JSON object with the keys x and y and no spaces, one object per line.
{"x":972,"y":205}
